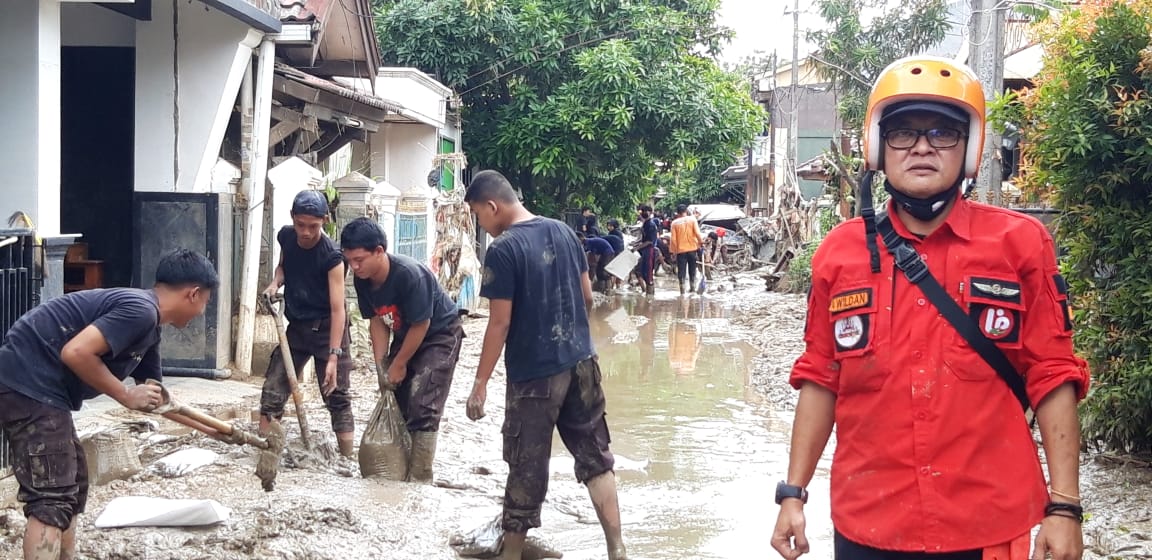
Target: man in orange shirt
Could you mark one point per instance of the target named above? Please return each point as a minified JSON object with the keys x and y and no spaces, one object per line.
{"x":934,"y":456}
{"x":685,"y":245}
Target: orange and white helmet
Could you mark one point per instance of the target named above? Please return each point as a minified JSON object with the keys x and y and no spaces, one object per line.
{"x":919,"y":83}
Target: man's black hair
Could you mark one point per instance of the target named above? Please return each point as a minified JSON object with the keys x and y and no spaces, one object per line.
{"x":613,"y":222}
{"x":644,"y":208}
{"x":183,"y":268}
{"x":490,"y":186}
{"x":363,"y":233}
{"x":681,"y":208}
{"x":586,"y":209}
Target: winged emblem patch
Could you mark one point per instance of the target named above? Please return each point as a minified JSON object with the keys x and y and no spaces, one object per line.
{"x":996,"y":289}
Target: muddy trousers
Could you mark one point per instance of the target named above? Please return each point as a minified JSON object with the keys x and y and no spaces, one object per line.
{"x":308,"y":340}
{"x":571,"y":402}
{"x":424,"y":391}
{"x":686,"y":266}
{"x":47,"y":459}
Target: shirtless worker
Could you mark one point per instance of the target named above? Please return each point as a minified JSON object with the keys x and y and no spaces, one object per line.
{"x":311,"y":270}
{"x":71,"y":349}
{"x":535,"y":280}
{"x":404,"y":301}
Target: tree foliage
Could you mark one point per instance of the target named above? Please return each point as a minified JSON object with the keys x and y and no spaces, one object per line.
{"x":852,"y":53}
{"x":1087,"y":127}
{"x":575,"y":100}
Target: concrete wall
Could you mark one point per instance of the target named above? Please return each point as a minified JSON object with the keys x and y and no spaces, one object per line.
{"x":186,"y":85}
{"x":30,"y":145}
{"x":89,"y":25}
{"x":402,"y":154}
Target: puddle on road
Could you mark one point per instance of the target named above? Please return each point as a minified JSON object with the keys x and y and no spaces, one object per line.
{"x":676,"y":378}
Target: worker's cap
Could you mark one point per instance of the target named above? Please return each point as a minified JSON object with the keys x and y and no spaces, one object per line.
{"x":310,"y":203}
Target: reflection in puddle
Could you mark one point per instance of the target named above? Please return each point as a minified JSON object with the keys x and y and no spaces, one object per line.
{"x":676,"y":378}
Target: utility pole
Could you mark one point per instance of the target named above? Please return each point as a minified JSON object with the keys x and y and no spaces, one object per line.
{"x":793,"y":137}
{"x":986,"y":57}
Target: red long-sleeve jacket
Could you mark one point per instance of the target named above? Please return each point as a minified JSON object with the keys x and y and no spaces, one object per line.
{"x":933,"y":451}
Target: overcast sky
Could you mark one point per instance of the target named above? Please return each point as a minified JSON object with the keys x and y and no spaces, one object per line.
{"x":761,"y":25}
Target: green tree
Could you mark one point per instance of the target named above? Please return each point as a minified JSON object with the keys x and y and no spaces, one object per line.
{"x":575,"y":100}
{"x":1086,"y":129}
{"x":851,"y":54}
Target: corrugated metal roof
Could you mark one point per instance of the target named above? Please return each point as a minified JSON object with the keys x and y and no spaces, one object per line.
{"x":337,"y":89}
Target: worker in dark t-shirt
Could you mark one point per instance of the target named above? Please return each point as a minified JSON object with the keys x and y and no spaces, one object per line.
{"x":538,"y":292}
{"x":311,"y":270}
{"x":71,"y":349}
{"x":403,"y":300}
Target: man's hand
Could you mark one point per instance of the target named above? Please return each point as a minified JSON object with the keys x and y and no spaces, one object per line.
{"x":788,"y":537}
{"x":270,"y":291}
{"x":1061,"y":537}
{"x":142,"y":397}
{"x":330,"y":375}
{"x":476,"y":400}
{"x":397,"y":371}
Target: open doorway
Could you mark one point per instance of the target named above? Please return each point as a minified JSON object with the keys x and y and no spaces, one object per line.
{"x":97,"y":110}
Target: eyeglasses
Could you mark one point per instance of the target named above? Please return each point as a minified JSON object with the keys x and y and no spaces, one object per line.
{"x":905,"y":138}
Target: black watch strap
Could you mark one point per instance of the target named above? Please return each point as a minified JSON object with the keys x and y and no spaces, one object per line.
{"x":785,"y":491}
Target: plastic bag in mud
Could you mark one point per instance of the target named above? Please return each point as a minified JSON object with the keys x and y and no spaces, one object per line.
{"x":386,"y":443}
{"x":487,"y":541}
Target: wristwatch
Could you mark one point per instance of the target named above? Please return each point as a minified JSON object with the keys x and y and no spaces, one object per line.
{"x":785,"y":490}
{"x":338,"y":352}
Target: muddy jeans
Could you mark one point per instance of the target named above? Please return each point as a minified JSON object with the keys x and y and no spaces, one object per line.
{"x":308,"y":340}
{"x":424,"y":391}
{"x":571,"y":402}
{"x":47,"y":458}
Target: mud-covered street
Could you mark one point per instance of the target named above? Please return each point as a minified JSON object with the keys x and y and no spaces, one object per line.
{"x":699,"y":412}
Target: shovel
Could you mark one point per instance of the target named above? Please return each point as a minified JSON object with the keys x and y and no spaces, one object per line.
{"x":268,"y":464}
{"x":289,"y":366}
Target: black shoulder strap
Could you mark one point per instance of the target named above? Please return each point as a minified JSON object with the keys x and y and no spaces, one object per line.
{"x":908,"y":260}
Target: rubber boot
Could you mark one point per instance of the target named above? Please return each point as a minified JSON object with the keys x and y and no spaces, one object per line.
{"x":347,"y":447}
{"x":420,"y":460}
{"x":513,"y":546}
{"x":602,"y":490}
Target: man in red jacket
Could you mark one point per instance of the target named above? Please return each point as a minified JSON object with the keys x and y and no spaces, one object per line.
{"x":934,"y":456}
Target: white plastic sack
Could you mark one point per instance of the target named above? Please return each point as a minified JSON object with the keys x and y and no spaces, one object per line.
{"x":183,"y":462}
{"x":622,"y":265}
{"x":144,"y":511}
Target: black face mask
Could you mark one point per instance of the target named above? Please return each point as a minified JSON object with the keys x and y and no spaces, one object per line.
{"x":923,"y":209}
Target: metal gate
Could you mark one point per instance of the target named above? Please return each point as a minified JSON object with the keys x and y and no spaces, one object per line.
{"x":21,"y":277}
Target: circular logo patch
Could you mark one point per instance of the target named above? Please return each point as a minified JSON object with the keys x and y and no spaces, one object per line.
{"x":848,"y":331}
{"x":996,"y":323}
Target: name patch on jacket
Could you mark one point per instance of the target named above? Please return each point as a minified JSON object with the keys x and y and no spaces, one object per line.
{"x":848,"y":301}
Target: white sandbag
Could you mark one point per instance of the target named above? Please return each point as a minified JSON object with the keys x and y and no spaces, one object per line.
{"x":183,"y":462}
{"x":622,"y":265}
{"x":144,"y":511}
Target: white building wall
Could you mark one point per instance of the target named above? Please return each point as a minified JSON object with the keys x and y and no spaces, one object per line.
{"x":30,"y":145}
{"x":402,"y":154}
{"x":186,"y":85}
